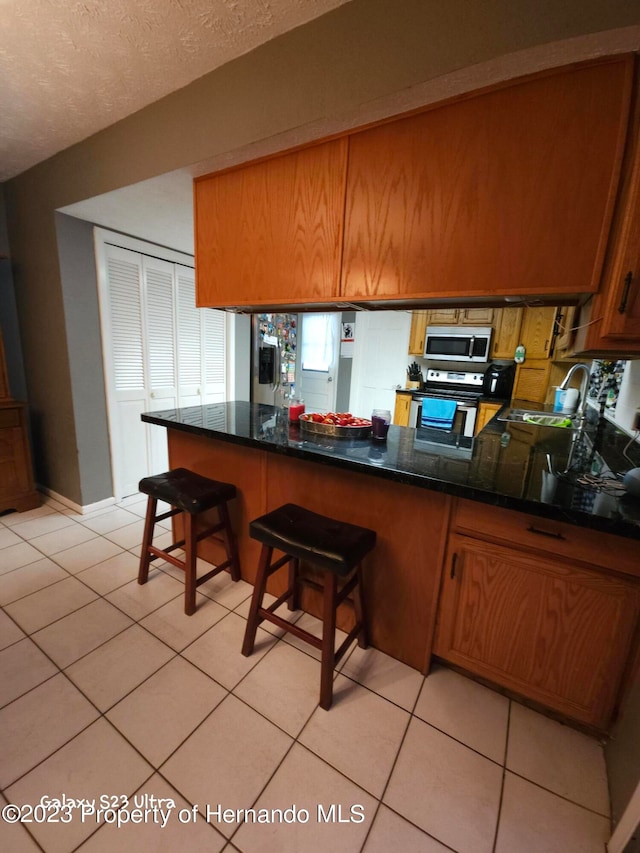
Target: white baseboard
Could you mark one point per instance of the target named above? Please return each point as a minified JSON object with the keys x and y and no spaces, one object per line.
{"x":81,"y":510}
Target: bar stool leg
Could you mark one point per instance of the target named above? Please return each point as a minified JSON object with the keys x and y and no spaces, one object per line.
{"x":328,"y":640}
{"x":230,"y":543}
{"x":256,"y":600}
{"x":147,"y":539}
{"x":358,"y":606}
{"x":190,"y":548}
{"x":293,"y":602}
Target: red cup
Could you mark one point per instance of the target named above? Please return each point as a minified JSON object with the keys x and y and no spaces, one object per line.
{"x":296,"y":408}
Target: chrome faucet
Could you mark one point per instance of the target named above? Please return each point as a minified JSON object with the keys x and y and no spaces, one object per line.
{"x":584,"y":387}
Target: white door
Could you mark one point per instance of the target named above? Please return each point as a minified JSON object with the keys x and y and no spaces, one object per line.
{"x":159,"y":351}
{"x":318,"y":345}
{"x":122,"y":320}
{"x":159,"y":313}
{"x":214,"y":333}
{"x":380,"y":359}
{"x":188,"y":322}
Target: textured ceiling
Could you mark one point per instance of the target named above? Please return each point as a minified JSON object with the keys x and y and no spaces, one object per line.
{"x":69,"y":68}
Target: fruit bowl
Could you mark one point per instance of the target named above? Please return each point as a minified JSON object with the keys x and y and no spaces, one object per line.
{"x":335,"y":424}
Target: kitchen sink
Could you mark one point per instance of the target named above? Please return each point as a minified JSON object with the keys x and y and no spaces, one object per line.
{"x":538,"y":418}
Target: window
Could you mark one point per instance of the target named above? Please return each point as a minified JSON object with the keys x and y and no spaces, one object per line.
{"x":317,"y":342}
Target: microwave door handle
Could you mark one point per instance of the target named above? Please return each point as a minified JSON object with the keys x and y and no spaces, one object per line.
{"x":471,"y":343}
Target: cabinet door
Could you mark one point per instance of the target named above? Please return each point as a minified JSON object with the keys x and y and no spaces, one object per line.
{"x":536,"y":333}
{"x":442,"y":317}
{"x":269,"y":233}
{"x":17,"y":490}
{"x":485,"y":412}
{"x":566,"y":320}
{"x":620,"y":303}
{"x":484,"y":195}
{"x":506,"y":332}
{"x":476,"y":316}
{"x":557,"y":634}
{"x":417,"y":333}
{"x":401,"y":411}
{"x":532,"y":380}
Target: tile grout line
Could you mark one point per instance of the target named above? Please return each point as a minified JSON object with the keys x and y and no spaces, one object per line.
{"x":412,"y":716}
{"x":175,"y":654}
{"x":504,"y":776}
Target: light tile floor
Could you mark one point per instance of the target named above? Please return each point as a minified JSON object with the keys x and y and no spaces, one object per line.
{"x":108,"y":692}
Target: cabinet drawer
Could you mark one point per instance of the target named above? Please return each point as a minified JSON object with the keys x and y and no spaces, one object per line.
{"x":9,"y":418}
{"x":547,"y":535}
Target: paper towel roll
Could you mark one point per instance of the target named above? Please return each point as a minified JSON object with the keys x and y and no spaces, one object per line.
{"x":570,"y":402}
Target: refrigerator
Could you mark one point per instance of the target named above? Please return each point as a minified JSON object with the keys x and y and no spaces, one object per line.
{"x":274,"y":342}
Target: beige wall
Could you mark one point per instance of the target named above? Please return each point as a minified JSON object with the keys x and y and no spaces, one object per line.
{"x":322,"y":75}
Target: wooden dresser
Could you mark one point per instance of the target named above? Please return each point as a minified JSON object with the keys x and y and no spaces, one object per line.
{"x":17,"y":489}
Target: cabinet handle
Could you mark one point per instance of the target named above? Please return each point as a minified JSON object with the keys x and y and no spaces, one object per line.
{"x":548,"y":533}
{"x":625,"y":292}
{"x":454,"y":560}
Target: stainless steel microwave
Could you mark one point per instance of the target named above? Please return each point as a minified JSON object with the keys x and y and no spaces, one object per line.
{"x":458,"y":343}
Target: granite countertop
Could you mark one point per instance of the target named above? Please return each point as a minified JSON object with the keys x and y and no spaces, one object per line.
{"x":508,"y":472}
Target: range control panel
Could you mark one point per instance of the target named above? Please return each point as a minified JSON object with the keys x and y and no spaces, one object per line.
{"x":459,"y":378}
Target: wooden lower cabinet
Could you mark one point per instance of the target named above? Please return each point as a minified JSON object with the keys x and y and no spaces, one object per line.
{"x":485,"y":412}
{"x":401,"y":411}
{"x":552,"y":630}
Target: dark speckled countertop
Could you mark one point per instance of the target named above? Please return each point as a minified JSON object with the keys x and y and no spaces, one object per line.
{"x":538,"y":470}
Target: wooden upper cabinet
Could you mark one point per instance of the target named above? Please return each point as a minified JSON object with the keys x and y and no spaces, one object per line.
{"x":418,"y":332}
{"x":507,"y":192}
{"x":506,"y":332}
{"x":612,"y":325}
{"x":537,"y":330}
{"x":270,"y":233}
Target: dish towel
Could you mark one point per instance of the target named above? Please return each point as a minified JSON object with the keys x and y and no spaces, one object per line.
{"x":438,"y":413}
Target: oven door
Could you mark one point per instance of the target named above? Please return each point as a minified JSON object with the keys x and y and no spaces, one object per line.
{"x":464,"y":420}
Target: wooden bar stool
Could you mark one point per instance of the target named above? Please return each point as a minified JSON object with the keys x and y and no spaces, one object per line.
{"x":190,"y":494}
{"x":333,"y":548}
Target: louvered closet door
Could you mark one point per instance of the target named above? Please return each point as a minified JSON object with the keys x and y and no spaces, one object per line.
{"x":201,"y":346}
{"x":123,"y":343}
{"x":214,"y":355}
{"x":158,"y":287}
{"x":189,"y":325}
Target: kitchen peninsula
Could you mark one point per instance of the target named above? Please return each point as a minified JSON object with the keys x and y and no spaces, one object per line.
{"x":531,"y":582}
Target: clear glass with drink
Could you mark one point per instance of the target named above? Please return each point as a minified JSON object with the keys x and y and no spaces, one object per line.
{"x":380,"y":420}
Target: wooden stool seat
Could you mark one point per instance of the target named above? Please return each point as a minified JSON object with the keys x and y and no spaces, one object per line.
{"x":331,"y":547}
{"x":190,"y":494}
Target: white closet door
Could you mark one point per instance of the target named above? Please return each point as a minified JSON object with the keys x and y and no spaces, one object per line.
{"x":160,"y":351}
{"x":158,"y":283}
{"x":189,"y":334}
{"x":123,"y":343}
{"x":213,"y":355}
